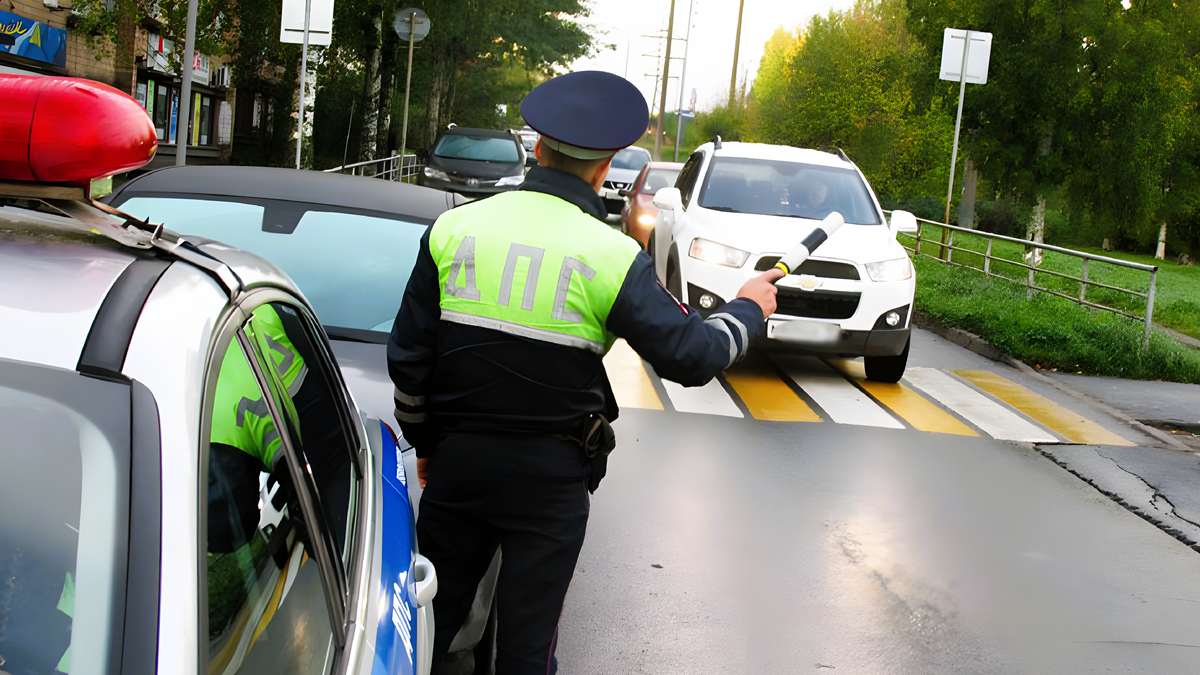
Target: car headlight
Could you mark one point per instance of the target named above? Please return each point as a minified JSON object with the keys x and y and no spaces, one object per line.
{"x":510,"y":180}
{"x":890,"y":270}
{"x":646,"y":219}
{"x":434,"y":173}
{"x":719,"y":254}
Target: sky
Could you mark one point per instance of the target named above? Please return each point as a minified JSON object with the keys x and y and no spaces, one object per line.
{"x":710,"y":56}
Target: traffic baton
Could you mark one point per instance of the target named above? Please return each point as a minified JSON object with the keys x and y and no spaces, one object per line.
{"x":795,"y":257}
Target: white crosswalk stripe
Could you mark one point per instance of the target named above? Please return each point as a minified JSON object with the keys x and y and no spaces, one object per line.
{"x":842,"y":401}
{"x":711,"y":399}
{"x":999,"y":422}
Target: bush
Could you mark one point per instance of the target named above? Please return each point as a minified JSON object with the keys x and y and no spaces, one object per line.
{"x":1049,"y":331}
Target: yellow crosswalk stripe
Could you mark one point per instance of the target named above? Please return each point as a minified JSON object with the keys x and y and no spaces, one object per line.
{"x":628,"y":377}
{"x":1067,"y":423}
{"x":766,"y":396}
{"x":915,"y":409}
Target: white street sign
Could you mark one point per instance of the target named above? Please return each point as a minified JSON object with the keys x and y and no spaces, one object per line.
{"x":953,"y":41}
{"x":320,"y":22}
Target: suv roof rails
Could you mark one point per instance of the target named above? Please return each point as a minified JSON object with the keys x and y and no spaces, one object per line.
{"x":716,"y":141}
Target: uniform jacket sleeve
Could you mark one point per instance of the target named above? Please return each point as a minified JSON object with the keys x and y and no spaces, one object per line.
{"x":410,"y":351}
{"x":680,"y":344}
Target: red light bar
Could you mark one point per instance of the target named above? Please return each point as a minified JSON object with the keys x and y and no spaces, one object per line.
{"x":70,"y":130}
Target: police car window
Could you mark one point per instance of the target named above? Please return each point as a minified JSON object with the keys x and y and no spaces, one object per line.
{"x":482,"y":148}
{"x":267,"y":610}
{"x":65,"y":459}
{"x":783,"y":188}
{"x":364,"y":295}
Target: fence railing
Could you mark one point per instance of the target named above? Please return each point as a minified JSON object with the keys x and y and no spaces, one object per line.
{"x":396,"y":168}
{"x":946,"y":248}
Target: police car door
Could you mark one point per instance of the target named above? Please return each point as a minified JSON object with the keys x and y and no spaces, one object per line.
{"x":283,"y":487}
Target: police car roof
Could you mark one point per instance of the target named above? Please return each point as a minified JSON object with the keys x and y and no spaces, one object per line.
{"x":308,"y":187}
{"x":55,"y":275}
{"x":781,"y":152}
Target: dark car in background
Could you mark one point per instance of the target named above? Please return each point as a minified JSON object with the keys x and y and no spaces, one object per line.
{"x":475,"y":162}
{"x":621,"y":173}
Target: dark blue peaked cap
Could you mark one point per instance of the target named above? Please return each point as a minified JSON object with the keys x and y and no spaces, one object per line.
{"x":587,"y":114}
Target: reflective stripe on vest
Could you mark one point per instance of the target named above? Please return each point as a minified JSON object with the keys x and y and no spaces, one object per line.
{"x":531,"y":264}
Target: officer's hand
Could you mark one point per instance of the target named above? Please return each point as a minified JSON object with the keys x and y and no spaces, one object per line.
{"x":761,"y":289}
{"x":422,"y":470}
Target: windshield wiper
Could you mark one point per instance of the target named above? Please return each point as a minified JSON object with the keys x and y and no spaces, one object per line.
{"x":726,"y":209}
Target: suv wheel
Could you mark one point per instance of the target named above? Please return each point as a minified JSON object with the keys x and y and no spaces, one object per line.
{"x":887,"y":368}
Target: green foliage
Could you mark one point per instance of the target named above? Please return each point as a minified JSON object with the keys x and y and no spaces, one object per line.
{"x":849,"y":81}
{"x":1048,"y":331}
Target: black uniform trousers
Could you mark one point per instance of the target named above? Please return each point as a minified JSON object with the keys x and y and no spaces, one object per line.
{"x":526,"y":494}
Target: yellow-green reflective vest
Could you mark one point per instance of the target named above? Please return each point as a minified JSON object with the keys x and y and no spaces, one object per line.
{"x":531,"y":264}
{"x":240,"y":414}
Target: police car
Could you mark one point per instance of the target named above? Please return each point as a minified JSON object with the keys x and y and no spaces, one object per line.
{"x":188,"y":485}
{"x":736,"y":208}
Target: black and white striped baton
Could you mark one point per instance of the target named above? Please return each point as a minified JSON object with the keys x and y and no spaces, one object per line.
{"x":795,"y":257}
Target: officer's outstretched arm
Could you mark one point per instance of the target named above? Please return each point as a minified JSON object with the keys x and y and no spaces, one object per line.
{"x":411,"y":353}
{"x":675,"y":339}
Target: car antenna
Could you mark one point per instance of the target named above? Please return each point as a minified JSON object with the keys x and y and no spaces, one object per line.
{"x":716,"y":142}
{"x":842,"y":155}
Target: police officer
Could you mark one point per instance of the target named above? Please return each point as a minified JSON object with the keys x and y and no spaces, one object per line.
{"x":496,"y":357}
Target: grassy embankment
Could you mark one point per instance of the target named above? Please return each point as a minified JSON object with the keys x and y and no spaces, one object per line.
{"x":1055,"y":333}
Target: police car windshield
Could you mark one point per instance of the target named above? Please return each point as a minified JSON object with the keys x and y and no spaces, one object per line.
{"x":781,"y":188}
{"x":631,"y":158}
{"x":480,"y":148}
{"x":65,"y":440}
{"x":372,"y":256}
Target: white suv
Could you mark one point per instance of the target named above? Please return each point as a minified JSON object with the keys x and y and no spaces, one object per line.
{"x":737,"y":207}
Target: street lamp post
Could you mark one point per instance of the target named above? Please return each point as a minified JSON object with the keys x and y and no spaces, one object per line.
{"x":185,"y":97}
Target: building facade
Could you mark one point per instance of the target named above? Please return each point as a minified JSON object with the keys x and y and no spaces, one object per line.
{"x":37,"y":37}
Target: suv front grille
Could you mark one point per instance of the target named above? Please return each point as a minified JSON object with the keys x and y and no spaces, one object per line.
{"x":816,"y":304}
{"x":817,"y":268}
{"x":617,"y":186}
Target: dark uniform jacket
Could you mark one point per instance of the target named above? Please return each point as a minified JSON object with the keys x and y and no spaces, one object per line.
{"x":454,"y":377}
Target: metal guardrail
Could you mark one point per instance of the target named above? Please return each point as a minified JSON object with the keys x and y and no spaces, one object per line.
{"x":947,"y":249}
{"x":396,"y":168}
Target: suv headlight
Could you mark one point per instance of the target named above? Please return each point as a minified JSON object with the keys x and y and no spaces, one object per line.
{"x":890,"y":270}
{"x":510,"y":180}
{"x":719,"y":254}
{"x":435,"y":174}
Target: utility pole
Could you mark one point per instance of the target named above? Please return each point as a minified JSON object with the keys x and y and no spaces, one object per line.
{"x":662,"y":101}
{"x":737,"y":41}
{"x":682,"y":76}
{"x":185,"y":99}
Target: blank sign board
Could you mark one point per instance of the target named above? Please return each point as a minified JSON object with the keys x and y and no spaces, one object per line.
{"x":978,"y":55}
{"x":320,"y":22}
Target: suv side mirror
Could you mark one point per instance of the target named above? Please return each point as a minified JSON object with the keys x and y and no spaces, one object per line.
{"x":903,"y":221}
{"x":668,"y":199}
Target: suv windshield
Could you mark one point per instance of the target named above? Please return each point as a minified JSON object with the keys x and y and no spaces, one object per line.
{"x":481,"y":148}
{"x":631,"y":158}
{"x":781,"y":188}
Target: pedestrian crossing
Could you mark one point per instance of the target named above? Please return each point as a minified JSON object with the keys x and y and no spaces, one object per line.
{"x":788,"y":388}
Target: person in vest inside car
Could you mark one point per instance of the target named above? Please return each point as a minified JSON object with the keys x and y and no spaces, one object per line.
{"x":496,"y":355}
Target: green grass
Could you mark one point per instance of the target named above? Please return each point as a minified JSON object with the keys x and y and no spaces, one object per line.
{"x":1177,"y":289}
{"x":1048,"y":331}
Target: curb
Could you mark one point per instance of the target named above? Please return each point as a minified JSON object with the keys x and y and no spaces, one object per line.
{"x":978,"y":345}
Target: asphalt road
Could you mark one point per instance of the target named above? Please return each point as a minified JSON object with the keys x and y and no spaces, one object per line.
{"x":729,"y":543}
